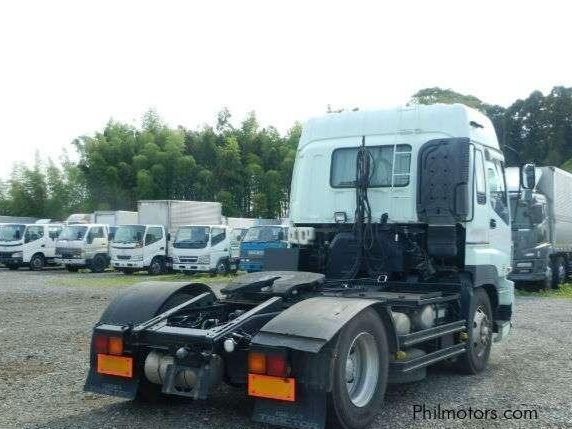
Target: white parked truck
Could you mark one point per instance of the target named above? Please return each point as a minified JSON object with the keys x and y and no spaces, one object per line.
{"x":84,"y":246}
{"x":145,"y":245}
{"x":542,"y":227}
{"x":206,"y":248}
{"x":140,"y":247}
{"x":399,"y":260}
{"x":32,"y":245}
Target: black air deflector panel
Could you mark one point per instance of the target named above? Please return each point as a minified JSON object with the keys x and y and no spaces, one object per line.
{"x":443,"y":194}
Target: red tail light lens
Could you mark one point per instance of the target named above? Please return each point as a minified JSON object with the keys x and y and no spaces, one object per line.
{"x":276,"y":366}
{"x":108,"y":345}
{"x":100,"y":344}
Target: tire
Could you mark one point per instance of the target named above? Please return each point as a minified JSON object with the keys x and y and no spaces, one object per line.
{"x":98,"y":264}
{"x":37,"y":263}
{"x":156,"y":267}
{"x":13,"y":267}
{"x":360,"y":372}
{"x":72,"y":268}
{"x":476,"y":358}
{"x":558,"y":272}
{"x":222,"y":267}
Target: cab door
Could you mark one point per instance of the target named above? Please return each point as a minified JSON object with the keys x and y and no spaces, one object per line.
{"x":154,"y":243}
{"x":53,"y":234}
{"x":499,"y":231}
{"x":219,"y":245}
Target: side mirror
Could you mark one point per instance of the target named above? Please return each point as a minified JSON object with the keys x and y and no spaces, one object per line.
{"x":536,"y":213}
{"x":168,"y":236}
{"x":147,"y":239}
{"x":89,"y":238}
{"x":528,"y":176}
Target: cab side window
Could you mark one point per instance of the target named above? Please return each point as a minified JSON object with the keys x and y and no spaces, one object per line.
{"x":154,"y":234}
{"x":497,"y":190}
{"x":217,"y":235}
{"x":33,"y":233}
{"x":54,"y":232}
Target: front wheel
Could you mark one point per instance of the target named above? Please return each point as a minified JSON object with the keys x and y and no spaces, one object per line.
{"x":156,"y":267}
{"x":558,"y":272}
{"x":222,"y":267}
{"x":359,"y":373}
{"x":37,"y":262}
{"x":98,"y":264}
{"x":480,"y":333}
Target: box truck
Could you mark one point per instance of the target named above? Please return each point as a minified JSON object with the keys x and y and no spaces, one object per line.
{"x":32,"y":245}
{"x":145,"y":244}
{"x":403,"y":235}
{"x":541,"y":227}
{"x":84,"y":245}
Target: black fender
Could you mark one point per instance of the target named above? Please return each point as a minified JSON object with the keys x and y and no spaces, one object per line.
{"x":311,"y":324}
{"x":143,"y":301}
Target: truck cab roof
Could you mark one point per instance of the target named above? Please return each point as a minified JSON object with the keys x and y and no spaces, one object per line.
{"x":450,"y":120}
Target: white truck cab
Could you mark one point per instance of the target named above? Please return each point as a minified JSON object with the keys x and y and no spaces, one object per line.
{"x":31,"y":245}
{"x":139,"y":247}
{"x":84,"y":246}
{"x":206,"y":248}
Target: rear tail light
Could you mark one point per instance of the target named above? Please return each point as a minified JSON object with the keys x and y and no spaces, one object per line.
{"x":108,"y":345}
{"x":257,"y":363}
{"x":276,"y":365}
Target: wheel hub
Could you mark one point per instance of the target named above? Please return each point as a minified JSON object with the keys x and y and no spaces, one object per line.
{"x":481,"y":331}
{"x":362,"y":369}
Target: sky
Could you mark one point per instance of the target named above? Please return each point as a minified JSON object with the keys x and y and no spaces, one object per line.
{"x":67,"y":67}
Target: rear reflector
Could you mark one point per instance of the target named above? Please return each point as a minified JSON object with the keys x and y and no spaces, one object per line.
{"x":100,"y":344}
{"x":257,"y":363}
{"x":121,"y":366}
{"x":264,"y":386}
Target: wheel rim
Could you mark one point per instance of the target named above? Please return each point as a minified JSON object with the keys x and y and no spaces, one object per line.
{"x":221,"y":268}
{"x":481,"y":332}
{"x":156,"y":268}
{"x":36,"y":263}
{"x":362,"y":369}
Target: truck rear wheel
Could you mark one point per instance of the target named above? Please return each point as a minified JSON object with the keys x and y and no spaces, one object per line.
{"x":98,"y":264}
{"x":359,"y":373}
{"x":37,"y":262}
{"x":480,"y":329}
{"x":558,"y":272}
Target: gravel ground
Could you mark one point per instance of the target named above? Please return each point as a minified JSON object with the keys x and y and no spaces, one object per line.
{"x":44,"y":344}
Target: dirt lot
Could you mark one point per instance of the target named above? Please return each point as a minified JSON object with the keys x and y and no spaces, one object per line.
{"x":45,"y":326}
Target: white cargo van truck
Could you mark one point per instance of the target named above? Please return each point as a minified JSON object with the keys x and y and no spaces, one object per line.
{"x":139,"y":247}
{"x":206,"y":248}
{"x":145,"y":245}
{"x":84,"y":246}
{"x":31,"y":245}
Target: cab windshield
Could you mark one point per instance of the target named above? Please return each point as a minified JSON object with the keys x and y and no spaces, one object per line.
{"x":72,"y":233}
{"x":520,"y":217}
{"x":129,"y":234}
{"x":264,"y":234}
{"x":11,"y":232}
{"x":192,"y":237}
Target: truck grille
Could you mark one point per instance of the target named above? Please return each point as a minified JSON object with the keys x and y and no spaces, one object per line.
{"x":124,"y":257}
{"x":63,"y":252}
{"x":188,"y":259}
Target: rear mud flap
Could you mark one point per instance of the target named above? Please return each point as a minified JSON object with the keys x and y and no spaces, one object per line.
{"x":109,"y":385}
{"x":308,"y":412}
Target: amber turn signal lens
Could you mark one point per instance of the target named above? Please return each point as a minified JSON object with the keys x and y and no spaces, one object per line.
{"x":257,"y":363}
{"x":115,"y":346}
